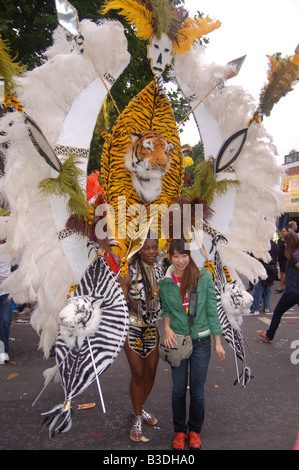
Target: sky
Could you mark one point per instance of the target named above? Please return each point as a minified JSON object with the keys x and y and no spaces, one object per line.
{"x":255,"y":29}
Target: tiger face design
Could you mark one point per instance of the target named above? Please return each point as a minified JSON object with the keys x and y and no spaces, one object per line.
{"x":148,"y":160}
{"x":236,"y":301}
{"x":79,"y":319}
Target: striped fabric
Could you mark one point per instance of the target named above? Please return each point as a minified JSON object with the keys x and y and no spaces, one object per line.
{"x":76,"y":370}
{"x":233,"y":337}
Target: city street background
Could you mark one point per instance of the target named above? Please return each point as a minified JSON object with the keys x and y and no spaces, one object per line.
{"x":262,"y":416}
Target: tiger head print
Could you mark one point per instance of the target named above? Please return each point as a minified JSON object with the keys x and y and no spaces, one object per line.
{"x":148,"y":160}
{"x":79,"y":319}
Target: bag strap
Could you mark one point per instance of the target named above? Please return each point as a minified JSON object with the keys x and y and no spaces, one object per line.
{"x":192,"y":315}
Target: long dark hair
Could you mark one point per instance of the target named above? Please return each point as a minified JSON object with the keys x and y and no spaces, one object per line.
{"x":144,"y":279}
{"x":292,"y":245}
{"x":191,"y":273}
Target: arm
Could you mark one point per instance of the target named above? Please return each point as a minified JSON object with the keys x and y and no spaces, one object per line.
{"x":170,"y":336}
{"x":219,"y":349}
{"x":125,"y":284}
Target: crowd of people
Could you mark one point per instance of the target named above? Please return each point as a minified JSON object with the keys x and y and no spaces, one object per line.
{"x":151,"y":292}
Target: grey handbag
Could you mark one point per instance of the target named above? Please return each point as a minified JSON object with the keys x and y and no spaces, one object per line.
{"x":174,"y":356}
{"x":184,"y":347}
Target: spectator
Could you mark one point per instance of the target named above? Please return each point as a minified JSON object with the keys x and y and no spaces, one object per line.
{"x":263,"y":287}
{"x":290,"y":297}
{"x":5,"y":303}
{"x":282,"y":258}
{"x":292,"y":226}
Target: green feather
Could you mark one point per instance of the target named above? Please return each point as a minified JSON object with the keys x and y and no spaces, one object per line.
{"x":205,"y":184}
{"x":67,"y":183}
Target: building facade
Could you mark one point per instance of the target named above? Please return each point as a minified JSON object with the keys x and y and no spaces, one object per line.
{"x":290,"y":188}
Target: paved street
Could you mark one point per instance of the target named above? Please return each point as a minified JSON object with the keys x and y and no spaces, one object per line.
{"x":264,"y":415}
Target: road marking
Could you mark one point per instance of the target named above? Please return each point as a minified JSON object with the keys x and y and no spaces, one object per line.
{"x":265,"y":320}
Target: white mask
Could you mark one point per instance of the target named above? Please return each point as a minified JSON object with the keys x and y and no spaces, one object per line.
{"x":160,"y":53}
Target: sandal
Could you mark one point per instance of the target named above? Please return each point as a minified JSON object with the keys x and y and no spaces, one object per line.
{"x":263,"y":335}
{"x":147,"y":418}
{"x":136,"y":429}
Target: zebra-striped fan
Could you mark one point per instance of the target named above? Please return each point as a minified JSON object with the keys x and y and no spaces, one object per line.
{"x":233,"y":337}
{"x":79,"y":368}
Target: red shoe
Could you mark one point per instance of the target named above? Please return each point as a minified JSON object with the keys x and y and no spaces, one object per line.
{"x":194,"y":441}
{"x":179,"y":441}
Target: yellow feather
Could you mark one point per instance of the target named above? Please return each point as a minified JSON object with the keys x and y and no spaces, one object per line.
{"x":295,"y":60}
{"x":282,"y":75}
{"x":194,"y":28}
{"x":134,"y":13}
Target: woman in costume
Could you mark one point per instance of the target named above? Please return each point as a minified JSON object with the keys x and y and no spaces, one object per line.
{"x":290,"y":297}
{"x":140,"y":286}
{"x":174,"y":293}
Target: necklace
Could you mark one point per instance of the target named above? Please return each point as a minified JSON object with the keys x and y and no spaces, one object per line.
{"x":177,"y":280}
{"x":147,"y":267}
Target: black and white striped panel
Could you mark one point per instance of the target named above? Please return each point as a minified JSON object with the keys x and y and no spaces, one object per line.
{"x":77,"y":371}
{"x":233,"y":337}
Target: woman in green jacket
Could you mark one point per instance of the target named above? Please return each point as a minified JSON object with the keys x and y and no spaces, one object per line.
{"x":174,"y":293}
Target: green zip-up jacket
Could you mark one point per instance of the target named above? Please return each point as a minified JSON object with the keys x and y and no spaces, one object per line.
{"x":206,"y":321}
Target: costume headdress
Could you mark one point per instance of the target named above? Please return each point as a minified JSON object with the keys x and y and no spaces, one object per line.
{"x":155,"y":17}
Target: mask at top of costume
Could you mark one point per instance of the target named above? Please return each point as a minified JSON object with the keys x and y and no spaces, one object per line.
{"x":160,"y":53}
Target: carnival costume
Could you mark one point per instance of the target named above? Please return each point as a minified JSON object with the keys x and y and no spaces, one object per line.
{"x":143,"y":314}
{"x":47,"y":130}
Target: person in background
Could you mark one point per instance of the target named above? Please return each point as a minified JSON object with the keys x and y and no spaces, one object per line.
{"x":292,"y":226}
{"x":282,"y":258}
{"x":290,"y":297}
{"x":5,"y":303}
{"x":140,"y":287}
{"x":181,"y":278}
{"x":263,"y":287}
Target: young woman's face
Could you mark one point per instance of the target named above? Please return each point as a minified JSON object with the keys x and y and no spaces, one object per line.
{"x":180,"y":261}
{"x":283,"y":232}
{"x":149,"y":251}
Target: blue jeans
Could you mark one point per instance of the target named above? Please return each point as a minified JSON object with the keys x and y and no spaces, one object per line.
{"x":286,"y":301}
{"x":199,"y":363}
{"x":5,"y":321}
{"x":257,"y":296}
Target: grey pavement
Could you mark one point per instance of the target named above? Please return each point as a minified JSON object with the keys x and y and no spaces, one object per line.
{"x":262,"y":416}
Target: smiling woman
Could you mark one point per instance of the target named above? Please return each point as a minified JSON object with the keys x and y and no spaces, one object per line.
{"x":182,"y":280}
{"x":140,"y":287}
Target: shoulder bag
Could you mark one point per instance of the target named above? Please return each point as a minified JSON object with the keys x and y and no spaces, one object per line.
{"x":184,"y":347}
